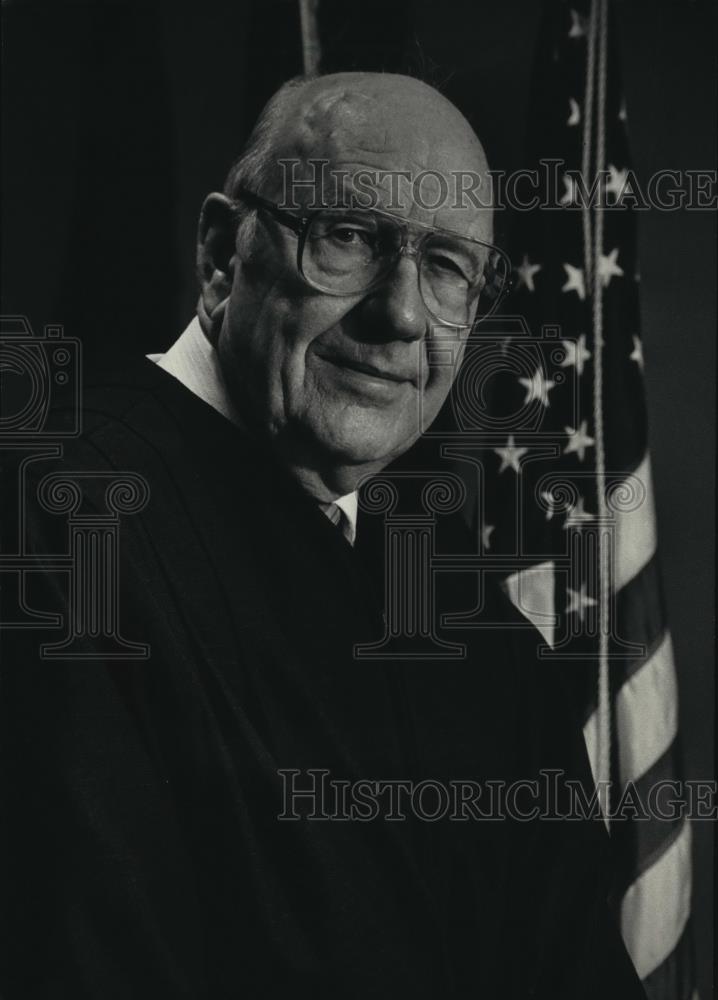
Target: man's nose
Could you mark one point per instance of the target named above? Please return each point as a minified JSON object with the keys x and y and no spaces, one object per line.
{"x":396,"y":308}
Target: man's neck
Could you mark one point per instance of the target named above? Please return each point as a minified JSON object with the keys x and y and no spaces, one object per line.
{"x":328,"y":482}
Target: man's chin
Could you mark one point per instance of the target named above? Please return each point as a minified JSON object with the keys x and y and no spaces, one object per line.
{"x":352,"y":446}
{"x":364,"y":454}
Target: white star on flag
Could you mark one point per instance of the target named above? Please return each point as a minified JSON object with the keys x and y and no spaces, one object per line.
{"x":510,"y":455}
{"x":578,"y":440}
{"x":576,"y":353}
{"x":608,"y":267}
{"x":574,"y":112}
{"x":537,"y":387}
{"x":576,"y":515}
{"x":526,"y":272}
{"x":637,"y":352}
{"x":574,"y":282}
{"x":616,"y":182}
{"x":578,"y":601}
{"x":570,"y":195}
{"x":486,"y":535}
{"x":578,"y":25}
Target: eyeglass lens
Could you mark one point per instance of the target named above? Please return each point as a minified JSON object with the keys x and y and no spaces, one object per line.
{"x":347,"y":253}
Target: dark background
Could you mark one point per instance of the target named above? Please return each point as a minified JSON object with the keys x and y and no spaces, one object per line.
{"x":119,"y":117}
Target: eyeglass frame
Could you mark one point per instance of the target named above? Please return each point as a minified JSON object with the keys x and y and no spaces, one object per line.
{"x":299,"y":224}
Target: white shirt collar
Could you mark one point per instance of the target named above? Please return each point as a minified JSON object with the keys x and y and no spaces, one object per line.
{"x":349,"y":503}
{"x":193,"y":361}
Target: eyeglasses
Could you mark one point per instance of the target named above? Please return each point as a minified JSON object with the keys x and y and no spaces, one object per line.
{"x":349,"y":252}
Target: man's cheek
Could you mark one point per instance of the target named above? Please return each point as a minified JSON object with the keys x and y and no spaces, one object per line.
{"x":308,"y":397}
{"x":435,"y":392}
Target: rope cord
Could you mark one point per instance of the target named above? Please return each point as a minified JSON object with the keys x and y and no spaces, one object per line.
{"x":586,"y":144}
{"x":604,"y":698}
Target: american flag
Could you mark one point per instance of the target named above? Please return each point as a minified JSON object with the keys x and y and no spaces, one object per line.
{"x":568,"y":483}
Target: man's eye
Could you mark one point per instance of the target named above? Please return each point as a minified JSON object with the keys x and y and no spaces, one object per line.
{"x":349,"y":235}
{"x":448,"y":265}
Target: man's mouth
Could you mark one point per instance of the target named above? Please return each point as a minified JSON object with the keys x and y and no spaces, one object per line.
{"x":368,"y":369}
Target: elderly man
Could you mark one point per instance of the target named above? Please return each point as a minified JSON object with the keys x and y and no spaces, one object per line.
{"x":204,"y":822}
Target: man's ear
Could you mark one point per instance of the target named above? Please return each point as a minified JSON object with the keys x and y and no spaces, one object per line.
{"x":216,"y":259}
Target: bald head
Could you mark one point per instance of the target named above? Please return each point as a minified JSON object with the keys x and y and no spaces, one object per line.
{"x":394,"y":135}
{"x":380,"y":115}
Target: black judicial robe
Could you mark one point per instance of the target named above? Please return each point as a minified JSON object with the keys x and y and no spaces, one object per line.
{"x":143,"y":853}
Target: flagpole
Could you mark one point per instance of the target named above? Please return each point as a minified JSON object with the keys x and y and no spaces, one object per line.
{"x":311,"y":51}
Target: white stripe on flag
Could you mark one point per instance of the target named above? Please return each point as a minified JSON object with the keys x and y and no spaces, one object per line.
{"x":635,"y":538}
{"x":655,"y":909}
{"x":647,"y":713}
{"x":531,"y":591}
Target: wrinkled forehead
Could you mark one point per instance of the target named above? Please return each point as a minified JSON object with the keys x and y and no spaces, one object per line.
{"x":347,"y":148}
